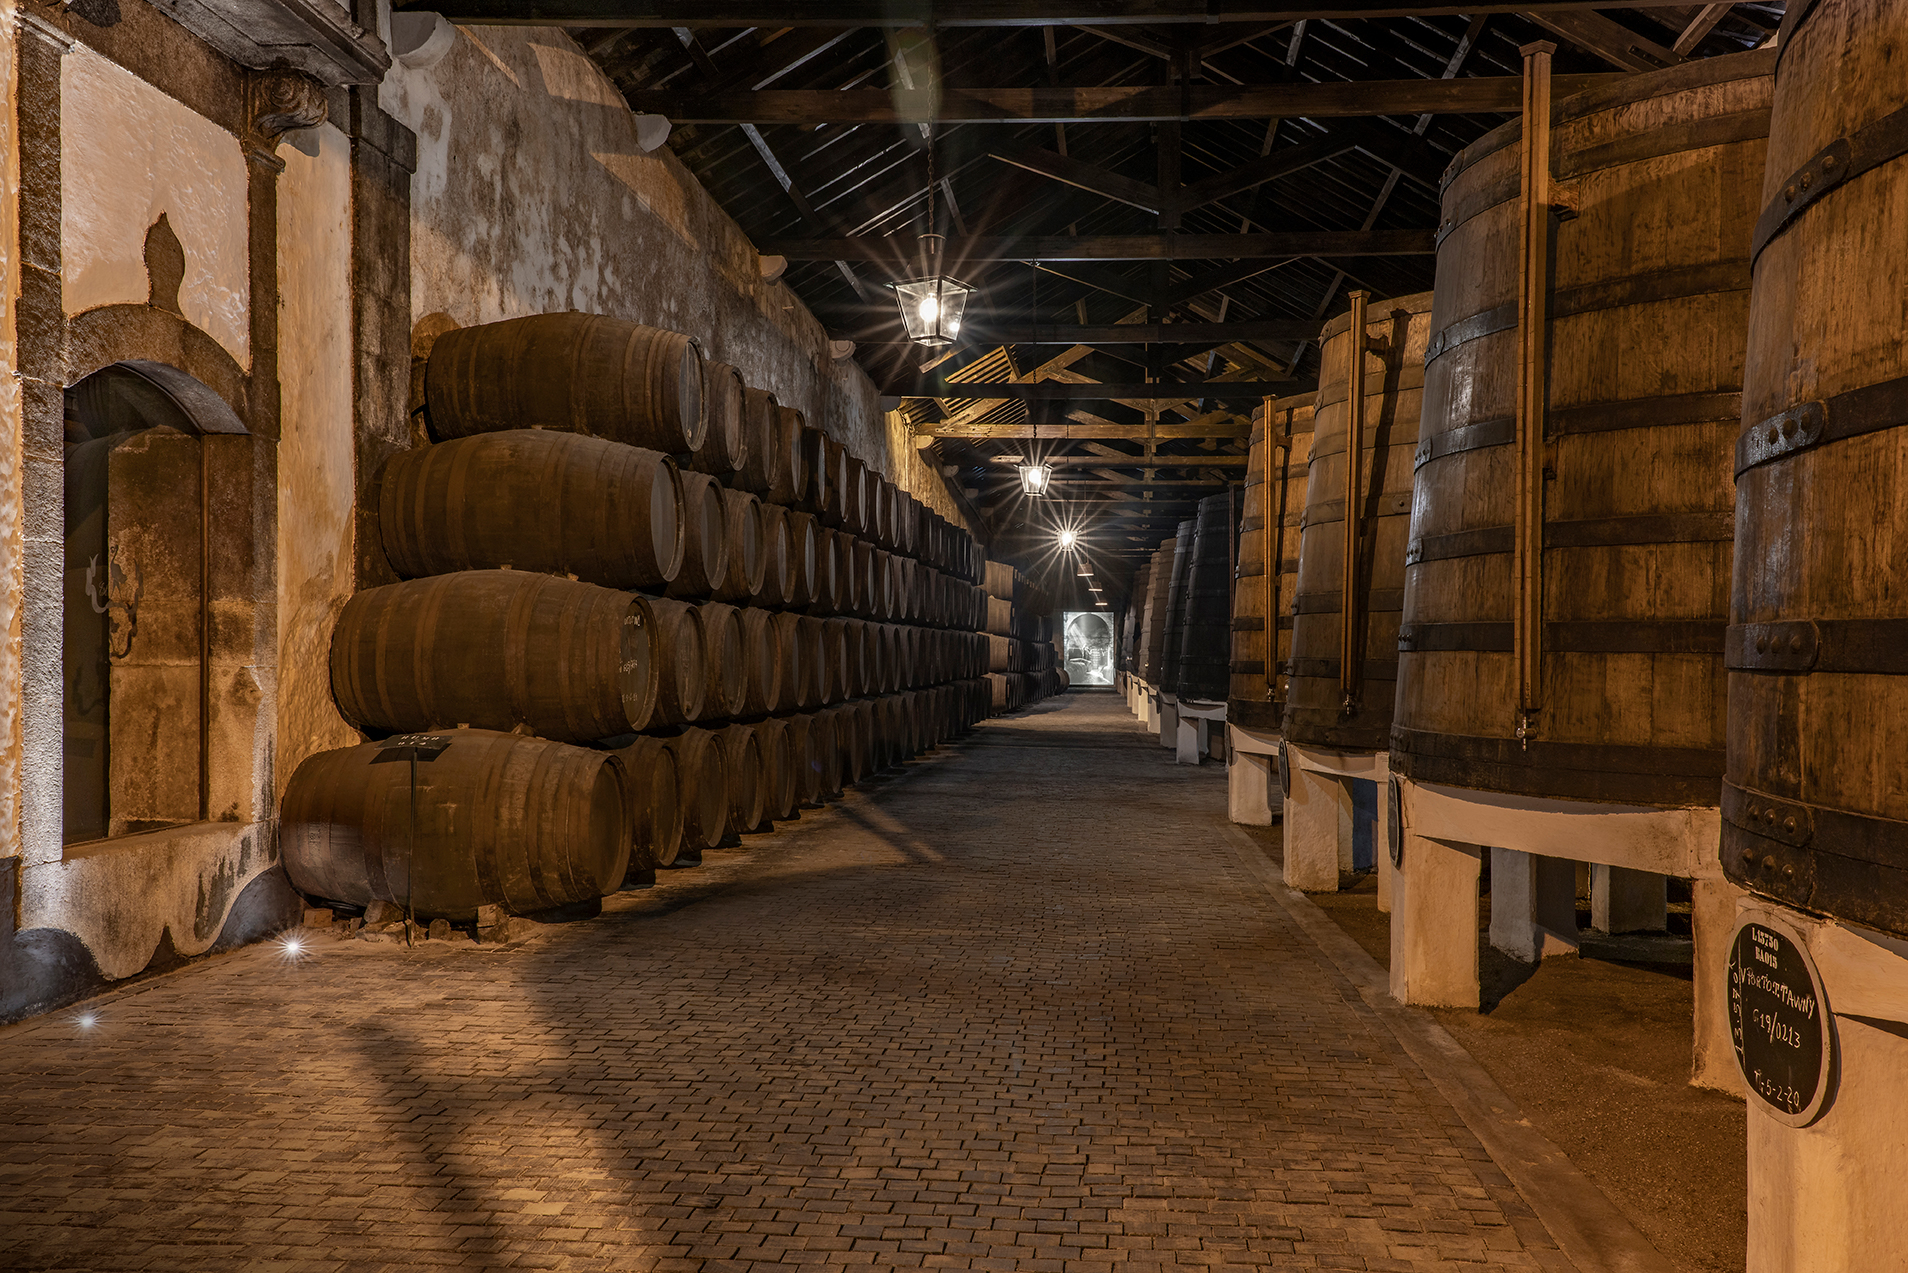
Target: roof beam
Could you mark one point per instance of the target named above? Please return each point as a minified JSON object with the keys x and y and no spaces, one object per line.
{"x":1063,"y":391}
{"x":1141,"y":461}
{"x":1609,"y":40}
{"x":1700,"y":26}
{"x":1147,"y":333}
{"x":775,"y":14}
{"x":900,"y":250}
{"x":1084,"y":176}
{"x":1135,"y":103}
{"x":1078,"y":432}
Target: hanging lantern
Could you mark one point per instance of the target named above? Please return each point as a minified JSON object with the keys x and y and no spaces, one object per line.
{"x":931,"y":308}
{"x":1035,"y":477}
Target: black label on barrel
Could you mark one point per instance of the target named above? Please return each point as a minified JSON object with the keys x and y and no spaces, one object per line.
{"x":422,"y":748}
{"x":1778,"y":1019}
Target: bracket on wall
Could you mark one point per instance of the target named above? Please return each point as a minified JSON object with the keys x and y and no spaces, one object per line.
{"x":280,"y":100}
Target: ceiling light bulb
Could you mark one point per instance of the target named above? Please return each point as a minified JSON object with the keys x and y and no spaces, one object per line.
{"x":930,"y":309}
{"x":1068,"y":538}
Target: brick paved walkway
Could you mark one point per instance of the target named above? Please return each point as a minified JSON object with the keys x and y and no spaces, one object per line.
{"x":1019,"y":1008}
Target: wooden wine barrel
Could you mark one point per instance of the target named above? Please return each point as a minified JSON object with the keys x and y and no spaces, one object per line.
{"x":725,"y":444}
{"x":770,"y":464}
{"x":1158,"y":588}
{"x":846,"y":633}
{"x":1324,"y":707}
{"x":725,"y":661}
{"x":824,"y":755}
{"x":789,"y":476}
{"x":677,"y":644}
{"x":805,"y":542}
{"x":705,"y":540}
{"x":1815,"y":802}
{"x":780,"y":565}
{"x":832,"y":510}
{"x":1626,"y":699}
{"x":880,"y":512}
{"x":748,"y":786}
{"x":655,"y":799}
{"x":501,"y":820}
{"x":829,"y":582}
{"x":762,"y":659}
{"x":1267,"y":577}
{"x":854,"y":497}
{"x":748,"y":559}
{"x":801,"y":746}
{"x":780,"y":794}
{"x":799,"y":688}
{"x":702,"y":769}
{"x":531,"y":499}
{"x":821,"y":497}
{"x":1175,"y":620}
{"x":582,"y":373}
{"x":497,"y":649}
{"x":824,"y":665}
{"x":1133,"y":622}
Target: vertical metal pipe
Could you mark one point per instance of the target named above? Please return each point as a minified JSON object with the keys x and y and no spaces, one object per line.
{"x":1272,"y":547}
{"x":1532,"y":322}
{"x":1351,"y":658}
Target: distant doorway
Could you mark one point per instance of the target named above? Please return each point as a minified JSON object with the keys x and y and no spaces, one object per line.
{"x":1087,"y":646}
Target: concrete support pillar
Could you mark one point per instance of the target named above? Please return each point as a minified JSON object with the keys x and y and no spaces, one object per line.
{"x":1381,"y":844}
{"x":1168,"y":722}
{"x":1627,"y":901}
{"x":1317,"y":830}
{"x":1533,"y":905}
{"x":1434,"y":924}
{"x":1149,"y":710}
{"x":1712,"y":918}
{"x":1251,"y":781}
{"x":1194,"y":740}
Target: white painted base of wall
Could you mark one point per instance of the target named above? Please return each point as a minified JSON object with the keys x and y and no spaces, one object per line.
{"x":1830,"y":1197}
{"x":120,"y":899}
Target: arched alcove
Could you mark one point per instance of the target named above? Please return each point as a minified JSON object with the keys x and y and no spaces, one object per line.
{"x":139,"y":595}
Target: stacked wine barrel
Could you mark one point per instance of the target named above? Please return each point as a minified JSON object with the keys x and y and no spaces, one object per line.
{"x":1277,"y":467}
{"x":649,"y":609}
{"x":1023,"y":663}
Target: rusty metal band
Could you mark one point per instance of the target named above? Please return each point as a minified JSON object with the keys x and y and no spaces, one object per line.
{"x":1873,"y":408}
{"x":1600,"y":532}
{"x":1395,"y":436}
{"x":1850,"y":865}
{"x":1593,"y":417}
{"x":1254,"y":713}
{"x":1476,"y":436}
{"x":1606,"y":772}
{"x":1364,"y":730}
{"x":1482,"y":542}
{"x":1831,"y":167}
{"x":1248,"y":623}
{"x":1378,"y":601}
{"x":1643,"y":636}
{"x":1872,"y":647}
{"x":1245,"y":666}
{"x":1327,"y":669}
{"x":1641,"y":289}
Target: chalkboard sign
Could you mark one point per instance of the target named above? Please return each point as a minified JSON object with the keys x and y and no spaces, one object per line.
{"x":1778,"y":1016}
{"x":423,"y":748}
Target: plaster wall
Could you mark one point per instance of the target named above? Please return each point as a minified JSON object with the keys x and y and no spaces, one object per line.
{"x":315,"y":486}
{"x":531,"y":195}
{"x":129,"y":153}
{"x":12,"y":430}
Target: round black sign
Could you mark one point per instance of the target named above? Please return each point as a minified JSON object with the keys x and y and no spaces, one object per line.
{"x":1394,"y":820}
{"x":1778,"y":1017}
{"x":1285,"y":773}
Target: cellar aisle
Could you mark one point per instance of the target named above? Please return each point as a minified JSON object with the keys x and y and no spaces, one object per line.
{"x":1018,"y":1007}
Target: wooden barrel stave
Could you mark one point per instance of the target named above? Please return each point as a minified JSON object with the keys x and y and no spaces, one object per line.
{"x":702,"y":770}
{"x":655,"y":798}
{"x":705,"y":556}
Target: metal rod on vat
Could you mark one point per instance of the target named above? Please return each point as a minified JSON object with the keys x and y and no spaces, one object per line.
{"x":1350,"y":656}
{"x":1532,"y":383}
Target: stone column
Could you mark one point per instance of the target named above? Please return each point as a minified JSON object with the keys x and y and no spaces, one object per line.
{"x":1533,"y":905}
{"x":1317,"y":823}
{"x":1434,"y":924}
{"x":1628,"y":901}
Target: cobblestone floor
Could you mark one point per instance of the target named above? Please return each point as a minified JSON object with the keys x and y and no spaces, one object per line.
{"x":1020,"y":1007}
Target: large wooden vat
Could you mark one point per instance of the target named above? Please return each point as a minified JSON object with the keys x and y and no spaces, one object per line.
{"x":500,"y":820}
{"x":1159,"y":580}
{"x":1205,"y":643}
{"x":1327,"y":704}
{"x":1815,"y":803}
{"x":1174,"y":627}
{"x":580,"y":372}
{"x":1267,"y":576}
{"x":497,"y":649}
{"x":1614,"y":688}
{"x":531,"y":499}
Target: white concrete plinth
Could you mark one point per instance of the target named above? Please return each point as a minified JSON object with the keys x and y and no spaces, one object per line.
{"x":1712,"y":1061}
{"x":1434,"y":923}
{"x":1168,"y":721}
{"x":1626,"y":901}
{"x":1194,"y":740}
{"x":1252,"y":776}
{"x":1830,"y":1197}
{"x":1319,"y":817}
{"x":1533,"y":905}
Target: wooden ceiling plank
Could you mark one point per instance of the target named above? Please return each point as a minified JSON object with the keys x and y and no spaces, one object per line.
{"x":1115,"y":247}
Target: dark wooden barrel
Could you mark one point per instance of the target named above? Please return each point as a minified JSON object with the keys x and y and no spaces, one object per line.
{"x":655,"y":799}
{"x":677,"y":645}
{"x":1133,"y":622}
{"x":582,"y":373}
{"x":829,"y":491}
{"x":748,"y":787}
{"x":501,"y":820}
{"x":1327,"y":707}
{"x":762,"y":660}
{"x":1626,"y":688}
{"x":497,"y":649}
{"x":725,"y":661}
{"x":805,"y":556}
{"x":705,"y":540}
{"x":1815,"y":803}
{"x":830,"y":585}
{"x":854,"y":497}
{"x":1158,"y":588}
{"x":771,"y":464}
{"x":747,"y":565}
{"x":798,"y":664}
{"x":779,"y":780}
{"x":801,"y":746}
{"x":1175,"y":620}
{"x":531,"y":499}
{"x":1205,"y":644}
{"x":780,"y":565}
{"x":703,"y":772}
{"x":824,"y":755}
{"x":725,"y":443}
{"x":1267,"y":576}
{"x":825,"y":666}
{"x":789,"y":476}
